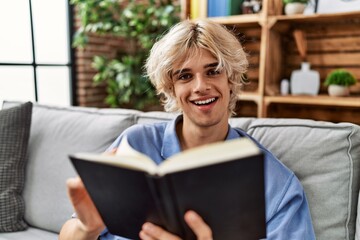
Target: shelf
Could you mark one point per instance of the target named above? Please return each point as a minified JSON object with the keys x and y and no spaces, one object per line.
{"x":245,"y":20}
{"x":252,"y":20}
{"x":327,"y":18}
{"x":323,"y":100}
{"x":253,"y":96}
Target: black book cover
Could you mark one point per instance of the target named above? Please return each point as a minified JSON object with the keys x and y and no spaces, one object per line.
{"x":228,"y":195}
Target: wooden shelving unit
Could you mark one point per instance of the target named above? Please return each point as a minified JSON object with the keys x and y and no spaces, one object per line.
{"x":247,"y":20}
{"x":333,"y":41}
{"x":313,"y":18}
{"x":324,"y":100}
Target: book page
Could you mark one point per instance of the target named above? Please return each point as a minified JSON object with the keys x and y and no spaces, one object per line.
{"x":209,"y":154}
{"x":125,"y":157}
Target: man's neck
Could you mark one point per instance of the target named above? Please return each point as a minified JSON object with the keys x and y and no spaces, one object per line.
{"x":191,"y":137}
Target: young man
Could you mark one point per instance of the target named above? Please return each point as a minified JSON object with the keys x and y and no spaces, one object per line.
{"x":198,"y":68}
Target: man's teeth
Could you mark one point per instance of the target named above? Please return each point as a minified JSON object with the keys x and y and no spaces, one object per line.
{"x":207,"y":101}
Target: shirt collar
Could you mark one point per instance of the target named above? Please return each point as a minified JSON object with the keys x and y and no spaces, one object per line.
{"x":171,"y":143}
{"x":232,"y":134}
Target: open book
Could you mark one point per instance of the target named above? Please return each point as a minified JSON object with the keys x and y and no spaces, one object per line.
{"x":223,"y":182}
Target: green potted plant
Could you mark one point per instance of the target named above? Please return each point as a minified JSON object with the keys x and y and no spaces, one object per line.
{"x":338,"y":82}
{"x":139,"y":23}
{"x":294,"y":6}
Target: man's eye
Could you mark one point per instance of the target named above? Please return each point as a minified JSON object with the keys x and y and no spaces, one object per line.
{"x":213,"y":72}
{"x":184,"y":76}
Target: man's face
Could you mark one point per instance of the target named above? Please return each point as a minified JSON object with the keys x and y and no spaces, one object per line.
{"x":202,"y":91}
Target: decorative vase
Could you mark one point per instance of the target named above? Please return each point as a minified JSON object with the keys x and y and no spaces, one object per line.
{"x":338,"y":90}
{"x":294,"y":8}
{"x":305,"y":81}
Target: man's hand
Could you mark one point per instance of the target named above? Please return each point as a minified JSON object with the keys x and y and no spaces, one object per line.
{"x":196,"y":223}
{"x":88,"y":224}
{"x":85,"y":209}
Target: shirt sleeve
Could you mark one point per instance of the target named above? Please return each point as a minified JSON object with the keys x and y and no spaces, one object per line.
{"x":291,"y":217}
{"x":105,"y":235}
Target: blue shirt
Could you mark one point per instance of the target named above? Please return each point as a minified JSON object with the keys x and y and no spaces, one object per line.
{"x":287,"y":212}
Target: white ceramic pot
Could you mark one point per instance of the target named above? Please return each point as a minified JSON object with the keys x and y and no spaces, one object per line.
{"x":294,"y":8}
{"x":305,"y":81}
{"x":338,"y":91}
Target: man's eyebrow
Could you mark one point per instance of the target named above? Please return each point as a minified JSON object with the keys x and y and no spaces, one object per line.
{"x":181,"y":71}
{"x":215,"y":64}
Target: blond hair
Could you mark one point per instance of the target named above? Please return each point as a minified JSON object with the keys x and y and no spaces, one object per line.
{"x":183,"y":41}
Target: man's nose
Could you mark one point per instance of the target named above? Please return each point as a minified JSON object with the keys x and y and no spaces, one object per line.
{"x":201,"y":83}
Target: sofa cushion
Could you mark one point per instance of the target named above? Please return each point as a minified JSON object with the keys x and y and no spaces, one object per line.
{"x":29,"y":234}
{"x":154,"y":117}
{"x":14,"y":136}
{"x":55,"y":133}
{"x":326,"y":158}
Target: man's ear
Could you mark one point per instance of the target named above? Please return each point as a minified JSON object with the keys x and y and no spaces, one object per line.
{"x":172,"y":90}
{"x":230,"y":86}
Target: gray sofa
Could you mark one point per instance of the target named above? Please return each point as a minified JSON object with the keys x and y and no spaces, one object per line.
{"x":325,"y":157}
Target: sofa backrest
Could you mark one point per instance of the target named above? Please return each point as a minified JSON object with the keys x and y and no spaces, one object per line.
{"x":324,"y":156}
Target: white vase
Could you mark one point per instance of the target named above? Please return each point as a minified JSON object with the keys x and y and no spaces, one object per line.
{"x":294,"y":8}
{"x":338,"y":91}
{"x":305,"y":81}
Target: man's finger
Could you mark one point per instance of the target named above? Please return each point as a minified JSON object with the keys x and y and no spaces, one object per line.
{"x":76,"y":189}
{"x":110,"y":152}
{"x":151,"y":231}
{"x":197,"y":224}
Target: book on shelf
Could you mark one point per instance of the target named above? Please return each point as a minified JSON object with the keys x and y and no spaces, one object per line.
{"x":217,"y":8}
{"x":234,"y":7}
{"x":223,"y":182}
{"x":198,"y":9}
{"x":223,"y":8}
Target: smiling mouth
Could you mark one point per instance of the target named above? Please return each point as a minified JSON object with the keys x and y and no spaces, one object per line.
{"x":204,"y":102}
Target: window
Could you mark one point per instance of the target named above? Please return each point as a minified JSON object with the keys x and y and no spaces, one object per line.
{"x":35,"y":53}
